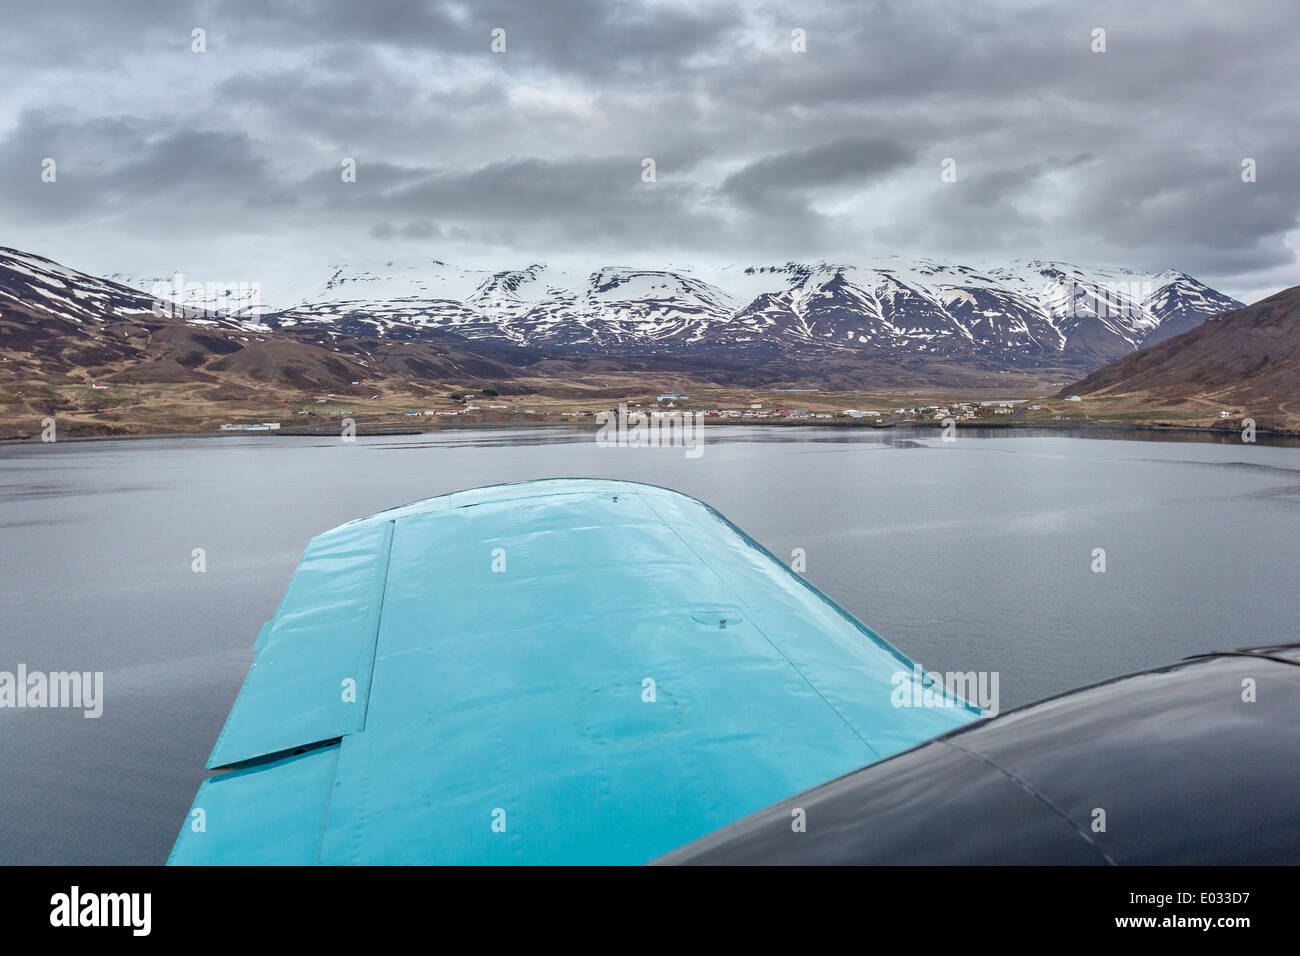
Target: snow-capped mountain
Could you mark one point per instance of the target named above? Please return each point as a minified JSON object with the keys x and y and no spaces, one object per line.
{"x":61,"y":327}
{"x":31,"y":282}
{"x":1020,"y":311}
{"x":1017,"y":313}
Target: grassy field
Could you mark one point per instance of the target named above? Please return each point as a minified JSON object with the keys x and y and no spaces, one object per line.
{"x":1195,"y":412}
{"x":202,"y":407}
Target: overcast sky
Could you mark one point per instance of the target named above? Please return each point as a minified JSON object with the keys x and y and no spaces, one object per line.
{"x":227,"y":163}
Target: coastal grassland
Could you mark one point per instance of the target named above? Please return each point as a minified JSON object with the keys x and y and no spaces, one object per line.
{"x":202,"y":406}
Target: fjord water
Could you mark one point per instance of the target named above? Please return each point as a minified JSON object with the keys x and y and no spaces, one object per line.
{"x":971,"y":555}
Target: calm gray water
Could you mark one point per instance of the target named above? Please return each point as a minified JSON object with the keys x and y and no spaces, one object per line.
{"x":973,"y":555}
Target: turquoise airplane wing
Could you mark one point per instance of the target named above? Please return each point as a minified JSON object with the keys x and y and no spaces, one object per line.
{"x":566,"y":671}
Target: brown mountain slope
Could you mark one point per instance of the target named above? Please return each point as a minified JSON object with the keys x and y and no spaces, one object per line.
{"x":1248,"y":358}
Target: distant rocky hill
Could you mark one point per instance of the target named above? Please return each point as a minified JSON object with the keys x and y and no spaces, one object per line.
{"x":1247,"y":357}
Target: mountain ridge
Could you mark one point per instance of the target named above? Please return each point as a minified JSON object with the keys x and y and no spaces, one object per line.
{"x":1023,"y":311}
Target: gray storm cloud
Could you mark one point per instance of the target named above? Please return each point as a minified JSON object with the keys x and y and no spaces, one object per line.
{"x":1131,"y":156}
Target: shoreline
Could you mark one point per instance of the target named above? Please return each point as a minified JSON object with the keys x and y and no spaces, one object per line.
{"x":380,"y":431}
